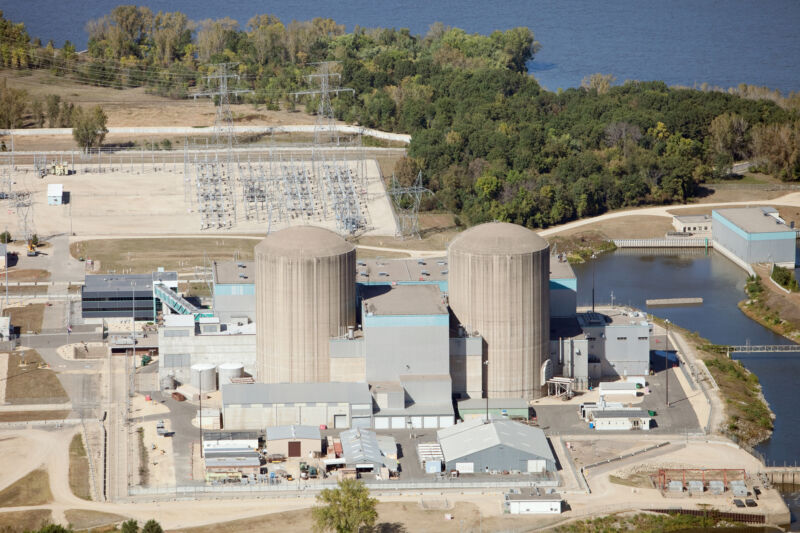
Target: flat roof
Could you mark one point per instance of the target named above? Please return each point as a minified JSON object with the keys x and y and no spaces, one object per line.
{"x":560,"y":269}
{"x":494,"y":403}
{"x":387,"y":300}
{"x":118,"y":282}
{"x":755,"y":219}
{"x":229,"y":272}
{"x":178,"y":321}
{"x":229,"y":435}
{"x":401,"y":270}
{"x":269,"y":393}
{"x":55,"y":189}
{"x":634,"y":413}
{"x":689,"y":219}
{"x":611,"y":318}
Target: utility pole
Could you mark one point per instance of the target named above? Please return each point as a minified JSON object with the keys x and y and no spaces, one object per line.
{"x":406,"y":201}
{"x":666,"y":361}
{"x":486,"y":364}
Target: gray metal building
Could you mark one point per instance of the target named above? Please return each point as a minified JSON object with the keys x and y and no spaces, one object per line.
{"x":496,"y":445}
{"x":123,"y":295}
{"x":258,"y":406}
{"x":754,"y":235}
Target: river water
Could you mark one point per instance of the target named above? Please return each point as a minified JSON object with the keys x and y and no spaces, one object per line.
{"x":722,"y":42}
{"x":635,"y":276}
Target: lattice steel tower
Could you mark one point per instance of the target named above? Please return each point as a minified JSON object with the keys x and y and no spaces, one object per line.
{"x":406,"y":202}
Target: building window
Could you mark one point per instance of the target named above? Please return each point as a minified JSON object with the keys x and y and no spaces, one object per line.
{"x":622,"y":338}
{"x":643,"y":338}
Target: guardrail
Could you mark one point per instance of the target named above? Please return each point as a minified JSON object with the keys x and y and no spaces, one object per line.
{"x":687,"y":242}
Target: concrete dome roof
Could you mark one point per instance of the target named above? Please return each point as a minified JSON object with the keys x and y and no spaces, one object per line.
{"x":498,"y":238}
{"x":304,"y":242}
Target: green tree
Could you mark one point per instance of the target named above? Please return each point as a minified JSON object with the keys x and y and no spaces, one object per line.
{"x":151,"y":526}
{"x":89,"y":127}
{"x":130,"y":526}
{"x":5,"y":237}
{"x":53,"y":108}
{"x":729,"y":137}
{"x":345,"y":509}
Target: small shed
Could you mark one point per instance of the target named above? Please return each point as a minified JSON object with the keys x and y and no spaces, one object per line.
{"x":294,"y":441}
{"x":55,"y":194}
{"x":614,"y":419}
{"x":532,"y":502}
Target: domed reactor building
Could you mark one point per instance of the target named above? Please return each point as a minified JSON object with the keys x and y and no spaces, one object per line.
{"x":499,"y":288}
{"x":305,"y":295}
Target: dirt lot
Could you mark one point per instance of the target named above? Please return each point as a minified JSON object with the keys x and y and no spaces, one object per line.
{"x":19,"y":521}
{"x":79,"y":470}
{"x":146,"y":255}
{"x":27,"y":318}
{"x":632,"y":227}
{"x":33,"y":489}
{"x":26,"y":275}
{"x":84,"y":519}
{"x":393,"y":516}
{"x":30,"y":384}
{"x":436,"y":232}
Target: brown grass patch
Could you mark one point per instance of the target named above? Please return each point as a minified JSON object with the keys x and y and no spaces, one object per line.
{"x":85,"y":519}
{"x":24,"y":416}
{"x":79,"y":470}
{"x":639,"y":480}
{"x":28,"y":318}
{"x":146,"y":255}
{"x":30,"y":384}
{"x":29,"y":274}
{"x":18,"y":521}
{"x":32,"y":489}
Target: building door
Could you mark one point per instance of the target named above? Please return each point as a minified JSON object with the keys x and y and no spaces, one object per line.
{"x":295,"y":448}
{"x":339,"y":421}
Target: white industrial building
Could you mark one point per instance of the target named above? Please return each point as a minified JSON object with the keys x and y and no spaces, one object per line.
{"x":495,"y":445}
{"x":55,"y":193}
{"x":230,"y":440}
{"x":362,"y":451}
{"x":532,"y":502}
{"x":695,"y":225}
{"x":620,"y":419}
{"x":259,"y":406}
{"x":184,"y":342}
{"x":754,"y":235}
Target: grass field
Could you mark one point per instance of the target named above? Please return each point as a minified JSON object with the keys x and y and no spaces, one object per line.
{"x":19,"y":521}
{"x":146,"y":255}
{"x":30,"y":274}
{"x":24,"y":416}
{"x":27,"y":318}
{"x":85,"y":519}
{"x":32,"y":489}
{"x":436,"y":232}
{"x":79,"y":470}
{"x":30,"y":384}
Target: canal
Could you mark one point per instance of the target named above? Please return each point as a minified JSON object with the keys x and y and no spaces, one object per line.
{"x":635,"y":276}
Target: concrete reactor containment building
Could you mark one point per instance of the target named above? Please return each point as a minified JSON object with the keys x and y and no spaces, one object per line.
{"x":499,"y":287}
{"x":305,"y":295}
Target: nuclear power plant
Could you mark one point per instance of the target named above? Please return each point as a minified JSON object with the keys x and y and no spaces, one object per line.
{"x":309,"y":334}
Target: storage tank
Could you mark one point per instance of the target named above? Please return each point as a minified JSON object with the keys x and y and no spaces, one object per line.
{"x":229,"y":371}
{"x":204,"y":377}
{"x":499,"y":286}
{"x":305,"y":295}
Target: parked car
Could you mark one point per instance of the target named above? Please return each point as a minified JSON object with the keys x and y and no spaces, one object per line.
{"x":738,"y":503}
{"x":750,"y":502}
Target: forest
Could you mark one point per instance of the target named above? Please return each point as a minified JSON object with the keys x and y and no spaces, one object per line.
{"x":491,"y":143}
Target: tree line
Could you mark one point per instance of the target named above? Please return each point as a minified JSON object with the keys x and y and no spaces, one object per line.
{"x":492,"y":144}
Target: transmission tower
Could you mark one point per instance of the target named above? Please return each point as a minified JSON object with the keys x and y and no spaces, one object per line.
{"x":406,"y":203}
{"x":216,"y":179}
{"x":328,"y":84}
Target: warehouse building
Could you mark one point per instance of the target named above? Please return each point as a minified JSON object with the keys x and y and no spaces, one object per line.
{"x":362,"y":452}
{"x":495,"y":446}
{"x":123,"y":295}
{"x":294,"y":441}
{"x":230,"y":440}
{"x":234,"y":291}
{"x":754,"y":235}
{"x":532,"y":501}
{"x":258,"y":406}
{"x":609,"y":419}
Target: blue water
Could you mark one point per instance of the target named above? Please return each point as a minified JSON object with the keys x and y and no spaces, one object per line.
{"x":682,"y":42}
{"x":636,"y":276}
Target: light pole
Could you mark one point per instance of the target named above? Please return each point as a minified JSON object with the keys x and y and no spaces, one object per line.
{"x":666,"y":360}
{"x":486,"y":364}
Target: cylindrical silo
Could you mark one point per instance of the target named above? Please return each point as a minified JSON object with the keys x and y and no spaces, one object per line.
{"x":228,"y":371}
{"x":498,"y":280}
{"x":204,"y":377}
{"x":305,"y":295}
